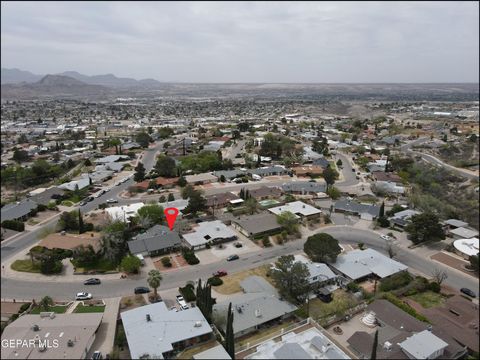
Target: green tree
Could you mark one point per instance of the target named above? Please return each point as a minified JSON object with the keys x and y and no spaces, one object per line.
{"x":171,"y":197}
{"x":69,"y":221}
{"x":151,"y":215}
{"x":154,"y":279}
{"x":289,"y":221}
{"x":20,"y":156}
{"x":382,"y":210}
{"x":322,"y":247}
{"x":339,"y":162}
{"x":291,"y":278}
{"x":181,"y":181}
{"x":374,"y":347}
{"x":165,"y":132}
{"x":46,"y":302}
{"x":204,"y":299}
{"x":80,"y":222}
{"x":143,"y":139}
{"x":165,"y":166}
{"x":229,"y":335}
{"x":425,"y":227}
{"x":251,"y":205}
{"x":330,"y":175}
{"x":139,"y":172}
{"x":334,"y":193}
{"x":115,"y":237}
{"x":474,"y":262}
{"x":196,"y":203}
{"x":130,"y":264}
{"x":187,"y":191}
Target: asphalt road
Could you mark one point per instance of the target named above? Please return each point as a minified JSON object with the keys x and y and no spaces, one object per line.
{"x":346,"y":235}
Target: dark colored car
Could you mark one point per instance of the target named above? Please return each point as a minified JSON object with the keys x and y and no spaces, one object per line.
{"x":141,"y":290}
{"x":238,"y":245}
{"x":92,"y":281}
{"x":83,"y":203}
{"x":233,"y":257}
{"x":325,"y":298}
{"x":220,"y":273}
{"x":468,"y":292}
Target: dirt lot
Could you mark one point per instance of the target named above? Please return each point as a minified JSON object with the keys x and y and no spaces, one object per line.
{"x":452,"y":262}
{"x":231,"y":283}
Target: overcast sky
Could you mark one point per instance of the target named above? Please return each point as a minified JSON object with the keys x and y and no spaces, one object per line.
{"x":246,"y":41}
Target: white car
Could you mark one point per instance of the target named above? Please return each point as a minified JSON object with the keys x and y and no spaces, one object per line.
{"x":181,"y":302}
{"x":83,"y":296}
{"x":386,"y":237}
{"x":111,"y":201}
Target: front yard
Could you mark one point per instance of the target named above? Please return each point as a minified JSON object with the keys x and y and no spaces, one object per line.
{"x":57,"y":309}
{"x":89,"y":308}
{"x":428,"y":299}
{"x":101,"y":265}
{"x":26,"y":266}
{"x":231,"y":283}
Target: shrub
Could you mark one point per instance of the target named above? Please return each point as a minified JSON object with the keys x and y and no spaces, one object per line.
{"x":166,"y":261}
{"x":266,"y":242}
{"x":434,"y":286}
{"x":208,"y":246}
{"x":13,"y":225}
{"x":120,"y":338}
{"x":187,"y":293}
{"x":102,"y":206}
{"x":405,"y":307}
{"x":24,"y":307}
{"x":41,"y":207}
{"x":215,"y":281}
{"x":395,"y":281}
{"x":190,"y":257}
{"x":353,"y":286}
{"x":383,"y":222}
{"x":50,"y":265}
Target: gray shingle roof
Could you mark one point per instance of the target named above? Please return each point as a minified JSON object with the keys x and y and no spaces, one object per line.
{"x":304,"y":186}
{"x":17,"y":210}
{"x":156,"y":238}
{"x":357,"y":208}
{"x":269,"y":170}
{"x":229,"y":174}
{"x":46,"y":196}
{"x":257,"y":224}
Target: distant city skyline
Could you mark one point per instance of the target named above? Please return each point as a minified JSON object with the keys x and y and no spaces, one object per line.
{"x":246,"y":42}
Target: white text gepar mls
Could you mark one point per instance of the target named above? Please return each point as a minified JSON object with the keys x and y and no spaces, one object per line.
{"x":30,"y":343}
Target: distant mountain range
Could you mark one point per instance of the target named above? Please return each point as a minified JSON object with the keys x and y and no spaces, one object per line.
{"x":16,"y":76}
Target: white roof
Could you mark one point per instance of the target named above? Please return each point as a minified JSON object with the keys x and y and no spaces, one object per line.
{"x":208,"y":231}
{"x":422,"y":345}
{"x":200,"y":177}
{"x":297,"y":208}
{"x":125,"y":211}
{"x":166,"y":327}
{"x":82,"y":183}
{"x":217,"y":352}
{"x":464,"y":232}
{"x":318,"y":271}
{"x":359,"y":263}
{"x":467,"y":246}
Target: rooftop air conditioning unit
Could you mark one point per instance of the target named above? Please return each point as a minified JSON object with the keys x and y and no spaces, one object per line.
{"x":198,"y":324}
{"x":258,"y":313}
{"x":36,"y":327}
{"x":149,"y":318}
{"x":70,"y":343}
{"x":387,"y":345}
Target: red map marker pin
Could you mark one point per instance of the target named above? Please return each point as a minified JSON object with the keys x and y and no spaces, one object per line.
{"x":171,"y":215}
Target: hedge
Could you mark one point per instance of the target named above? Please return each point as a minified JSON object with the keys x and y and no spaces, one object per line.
{"x":166,"y":261}
{"x":13,"y":225}
{"x":187,"y":293}
{"x":215,"y":281}
{"x":190,"y":257}
{"x":395,"y":281}
{"x":405,"y":307}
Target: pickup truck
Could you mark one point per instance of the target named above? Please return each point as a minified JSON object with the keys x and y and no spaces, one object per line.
{"x":181,"y":302}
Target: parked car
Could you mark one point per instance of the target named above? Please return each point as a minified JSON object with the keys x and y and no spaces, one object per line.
{"x":353,"y":170}
{"x":468,"y":292}
{"x":112,"y":201}
{"x":141,"y":290}
{"x":233,"y":257}
{"x":90,"y":198}
{"x":220,"y":273}
{"x":325,"y":298}
{"x":386,"y":237}
{"x":181,"y":301}
{"x":83,"y":296}
{"x":92,"y":281}
{"x":238,"y":245}
{"x":97,"y":355}
{"x":174,"y":308}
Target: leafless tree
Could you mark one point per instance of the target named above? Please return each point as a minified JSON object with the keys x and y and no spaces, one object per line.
{"x":391,"y":250}
{"x":439,"y":276}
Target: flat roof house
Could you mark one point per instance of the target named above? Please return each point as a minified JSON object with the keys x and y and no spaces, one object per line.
{"x":124,"y":212}
{"x":258,"y":307}
{"x":156,"y":240}
{"x":353,"y":207}
{"x":217,"y":352}
{"x":299,"y":208}
{"x":257,"y":225}
{"x":401,"y":218}
{"x":160,"y":333}
{"x":220,"y":200}
{"x":199,"y":179}
{"x":358,"y":264}
{"x":265,"y":192}
{"x":204,"y":232}
{"x":463,"y":233}
{"x":269,"y":171}
{"x":304,"y":188}
{"x":19,"y":210}
{"x":60,"y":336}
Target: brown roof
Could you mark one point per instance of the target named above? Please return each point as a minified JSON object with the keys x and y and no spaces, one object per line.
{"x":304,"y":170}
{"x":220,"y":199}
{"x":384,"y":176}
{"x":162,"y":181}
{"x":265,"y":191}
{"x":462,"y":327}
{"x":71,"y":241}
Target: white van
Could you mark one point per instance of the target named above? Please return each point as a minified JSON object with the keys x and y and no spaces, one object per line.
{"x":142,"y":259}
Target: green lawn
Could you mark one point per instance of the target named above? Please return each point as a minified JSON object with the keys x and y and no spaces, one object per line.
{"x":428,"y":299}
{"x":341,"y":302}
{"x":89,"y":309}
{"x":57,"y":309}
{"x":25,"y":266}
{"x":67,"y":203}
{"x":100,"y":265}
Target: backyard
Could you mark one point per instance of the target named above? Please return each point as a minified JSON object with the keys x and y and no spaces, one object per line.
{"x":264,"y":333}
{"x":231,"y":283}
{"x":342,"y":301}
{"x":428,"y":299}
{"x":101,"y":265}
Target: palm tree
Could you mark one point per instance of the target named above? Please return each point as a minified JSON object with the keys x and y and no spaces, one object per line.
{"x":46,"y":302}
{"x":154,"y":279}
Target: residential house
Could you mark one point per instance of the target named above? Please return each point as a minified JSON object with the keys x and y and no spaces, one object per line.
{"x":388,"y":187}
{"x":401,"y":218}
{"x":320,"y":274}
{"x":208,"y":231}
{"x":322,"y":162}
{"x":463,"y":233}
{"x":401,"y":336}
{"x":275,"y":170}
{"x":230,"y":174}
{"x":111,"y":159}
{"x":200,"y":179}
{"x":216,"y":352}
{"x":360,"y":264}
{"x":156,"y":240}
{"x":160,"y":333}
{"x":365,"y":211}
{"x":265,"y":192}
{"x":255,"y":226}
{"x":76,"y":184}
{"x":258,"y":307}
{"x":377,"y":166}
{"x":386,"y":176}
{"x":299,"y":209}
{"x":47,"y":195}
{"x":19,"y":210}
{"x":305,"y":188}
{"x":220,"y":200}
{"x":124,"y":212}
{"x":305,"y":170}
{"x":57,"y":336}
